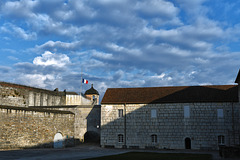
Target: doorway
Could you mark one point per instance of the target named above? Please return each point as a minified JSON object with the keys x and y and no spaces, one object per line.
{"x":187,"y":143}
{"x":58,"y":141}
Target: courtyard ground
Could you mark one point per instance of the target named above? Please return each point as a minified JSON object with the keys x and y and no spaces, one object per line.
{"x":83,"y":152}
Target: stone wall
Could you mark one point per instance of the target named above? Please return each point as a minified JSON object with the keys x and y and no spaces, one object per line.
{"x":26,"y":127}
{"x":77,"y":100}
{"x":37,"y":98}
{"x":87,"y":119}
{"x":171,"y":127}
{"x":13,"y":97}
{"x":24,"y":96}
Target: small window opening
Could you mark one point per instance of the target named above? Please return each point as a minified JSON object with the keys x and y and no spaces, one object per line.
{"x":120,"y":113}
{"x":153,"y":113}
{"x":120,"y":138}
{"x":221,"y":140}
{"x":154,"y":138}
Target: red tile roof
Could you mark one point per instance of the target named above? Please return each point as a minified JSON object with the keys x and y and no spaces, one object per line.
{"x":179,"y":94}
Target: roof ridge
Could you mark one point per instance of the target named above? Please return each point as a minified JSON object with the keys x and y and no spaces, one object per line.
{"x":175,"y":86}
{"x":172,"y":94}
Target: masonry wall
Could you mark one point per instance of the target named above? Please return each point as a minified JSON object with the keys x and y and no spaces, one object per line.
{"x":25,"y":127}
{"x":77,"y":100}
{"x":24,"y":96}
{"x":202,"y":127}
{"x":87,"y":119}
{"x":13,"y":97}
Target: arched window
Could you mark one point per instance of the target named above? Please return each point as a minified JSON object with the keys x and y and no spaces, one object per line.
{"x":154,"y":138}
{"x":120,"y":138}
{"x":221,"y":140}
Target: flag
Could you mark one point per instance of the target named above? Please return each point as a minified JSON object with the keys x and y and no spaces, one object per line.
{"x":85,"y":81}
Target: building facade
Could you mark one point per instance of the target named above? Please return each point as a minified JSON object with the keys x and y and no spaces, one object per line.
{"x":34,"y":117}
{"x":191,"y":117}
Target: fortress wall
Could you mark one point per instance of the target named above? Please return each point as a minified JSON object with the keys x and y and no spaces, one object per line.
{"x":25,"y":127}
{"x":24,"y":96}
{"x":87,"y":118}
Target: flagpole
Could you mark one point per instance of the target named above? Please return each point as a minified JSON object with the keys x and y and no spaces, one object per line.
{"x":81,"y":82}
{"x":81,"y":88}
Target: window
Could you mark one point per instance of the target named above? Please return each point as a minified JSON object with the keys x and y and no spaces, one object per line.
{"x":153,"y":113}
{"x":186,"y":112}
{"x":221,"y":140}
{"x":120,"y":138}
{"x":220,"y":113}
{"x":120,"y":113}
{"x":154,"y":138}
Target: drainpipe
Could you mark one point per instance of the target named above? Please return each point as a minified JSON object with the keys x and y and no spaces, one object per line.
{"x":233,"y":124}
{"x":125,"y":127}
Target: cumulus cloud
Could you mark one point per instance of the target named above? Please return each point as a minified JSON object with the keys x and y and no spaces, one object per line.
{"x":18,"y":9}
{"x":52,"y":59}
{"x":45,"y":71}
{"x":37,"y":80}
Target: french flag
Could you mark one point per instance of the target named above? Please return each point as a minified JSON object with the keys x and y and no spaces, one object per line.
{"x":85,"y":81}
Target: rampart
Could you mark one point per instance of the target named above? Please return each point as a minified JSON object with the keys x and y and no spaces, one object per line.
{"x":29,"y":127}
{"x":24,"y":96}
{"x":87,"y":120}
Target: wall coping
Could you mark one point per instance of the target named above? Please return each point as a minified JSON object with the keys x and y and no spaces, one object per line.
{"x":68,"y":106}
{"x":35,"y":110}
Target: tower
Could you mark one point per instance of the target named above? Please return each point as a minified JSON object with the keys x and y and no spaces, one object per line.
{"x":93,"y":95}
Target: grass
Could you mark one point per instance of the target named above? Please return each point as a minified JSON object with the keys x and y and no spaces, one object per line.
{"x":155,"y":156}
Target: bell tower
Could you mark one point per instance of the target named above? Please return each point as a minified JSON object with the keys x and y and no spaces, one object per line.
{"x":93,"y":95}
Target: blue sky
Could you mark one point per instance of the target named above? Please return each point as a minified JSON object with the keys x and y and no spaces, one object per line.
{"x":119,"y":43}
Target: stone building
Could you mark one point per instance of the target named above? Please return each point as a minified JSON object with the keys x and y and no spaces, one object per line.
{"x":181,"y":117}
{"x":32,"y":116}
{"x":93,"y":95}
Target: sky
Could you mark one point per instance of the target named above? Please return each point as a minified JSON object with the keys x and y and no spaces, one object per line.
{"x":119,"y":43}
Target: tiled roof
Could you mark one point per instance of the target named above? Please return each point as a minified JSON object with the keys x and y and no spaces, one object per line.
{"x":179,"y":94}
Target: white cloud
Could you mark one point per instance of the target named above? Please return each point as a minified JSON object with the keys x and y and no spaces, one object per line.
{"x":37,"y":80}
{"x":51,"y":45}
{"x":193,"y":7}
{"x":52,"y":59}
{"x":22,"y":8}
{"x":102,"y":55}
{"x":18,"y":32}
{"x":157,"y":8}
{"x":117,"y":48}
